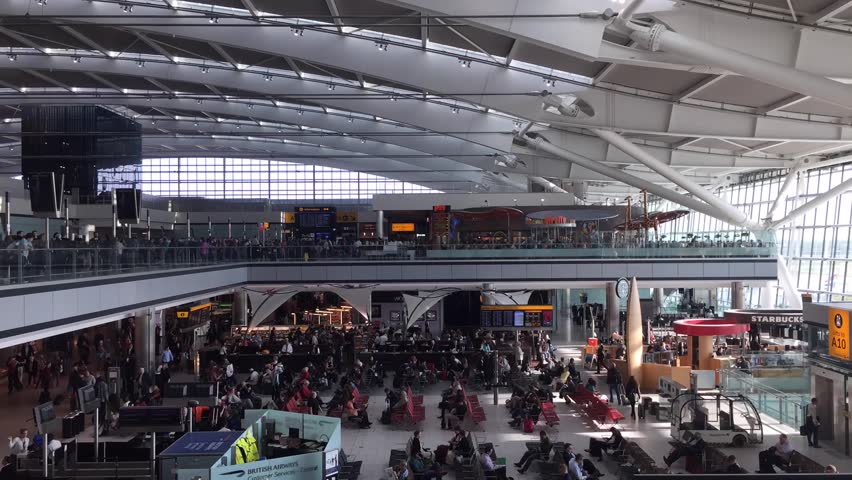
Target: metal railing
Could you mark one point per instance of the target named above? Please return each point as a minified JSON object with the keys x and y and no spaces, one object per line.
{"x":786,"y":407}
{"x":21,"y":264}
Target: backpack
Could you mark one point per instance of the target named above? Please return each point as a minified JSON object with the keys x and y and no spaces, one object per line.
{"x":529,"y":425}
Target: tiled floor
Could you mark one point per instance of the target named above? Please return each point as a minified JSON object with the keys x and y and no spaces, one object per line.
{"x":372,"y":446}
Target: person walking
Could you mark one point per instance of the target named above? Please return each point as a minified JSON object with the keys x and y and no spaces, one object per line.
{"x":812,"y":424}
{"x":631,"y":391}
{"x":613,"y":379}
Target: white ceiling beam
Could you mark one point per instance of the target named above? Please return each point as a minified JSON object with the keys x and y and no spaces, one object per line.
{"x":467,"y":40}
{"x":782,"y":104}
{"x":46,"y":78}
{"x":827,"y":12}
{"x":293,"y":66}
{"x":216,"y":91}
{"x":249,"y":5}
{"x":738,"y":145}
{"x":764,"y":146}
{"x":360,"y":79}
{"x":224,"y":54}
{"x":332,"y":7}
{"x":88,"y":41}
{"x":162,"y":86}
{"x":513,"y":51}
{"x":21,"y":38}
{"x":599,"y":77}
{"x":153,"y":44}
{"x":171,"y":3}
{"x":104,"y":81}
{"x":387,"y":21}
{"x":16,"y":88}
{"x":424,"y":31}
{"x":685,"y":142}
{"x":697,"y":87}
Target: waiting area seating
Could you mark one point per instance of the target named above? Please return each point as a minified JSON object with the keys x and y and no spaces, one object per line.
{"x":474,"y":410}
{"x":412,"y":413}
{"x":594,"y":406}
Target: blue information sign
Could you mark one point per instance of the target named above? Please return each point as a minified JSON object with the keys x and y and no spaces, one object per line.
{"x":202,"y":443}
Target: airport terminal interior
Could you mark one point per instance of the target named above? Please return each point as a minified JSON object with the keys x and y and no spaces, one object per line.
{"x":425,"y":239}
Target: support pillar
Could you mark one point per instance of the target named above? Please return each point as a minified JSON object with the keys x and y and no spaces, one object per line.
{"x":7,"y":216}
{"x":146,"y":330}
{"x":380,"y":224}
{"x":659,"y":299}
{"x":613,"y":306}
{"x":633,"y":333}
{"x":240,"y":308}
{"x":702,"y":355}
{"x":767,"y":295}
{"x":737,"y":295}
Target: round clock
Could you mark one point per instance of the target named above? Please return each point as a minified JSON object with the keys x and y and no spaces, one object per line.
{"x":622,"y":288}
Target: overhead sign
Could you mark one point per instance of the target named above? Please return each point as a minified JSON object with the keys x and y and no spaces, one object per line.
{"x":765,"y":316}
{"x":402,"y":227}
{"x":347,"y":217}
{"x":838,"y":333}
{"x":782,"y":319}
{"x":315,"y":209}
{"x":183,"y":314}
{"x":288,"y":217}
{"x":440,"y":208}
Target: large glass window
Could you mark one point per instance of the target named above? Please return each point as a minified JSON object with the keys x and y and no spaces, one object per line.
{"x":238,"y":178}
{"x":815,"y":245}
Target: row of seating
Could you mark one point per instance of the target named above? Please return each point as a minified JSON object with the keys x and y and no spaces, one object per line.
{"x":548,"y":412}
{"x":594,"y":406}
{"x":293,"y":406}
{"x":413,"y":413}
{"x":474,"y":409}
{"x":468,"y":467}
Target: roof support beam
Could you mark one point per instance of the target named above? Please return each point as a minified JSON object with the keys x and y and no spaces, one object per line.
{"x":332,"y":7}
{"x":538,"y":142}
{"x":154,"y":45}
{"x":88,"y":41}
{"x":512,"y":52}
{"x":685,"y":142}
{"x":814,"y":203}
{"x":764,"y":146}
{"x":424,"y":31}
{"x":162,"y":86}
{"x":466,"y":39}
{"x":21,"y":38}
{"x":251,"y":8}
{"x":46,"y":79}
{"x":104,"y":81}
{"x":697,"y":87}
{"x":827,"y":12}
{"x":782,"y":76}
{"x":224,"y":54}
{"x":293,"y":66}
{"x":735,"y":216}
{"x":782,"y":104}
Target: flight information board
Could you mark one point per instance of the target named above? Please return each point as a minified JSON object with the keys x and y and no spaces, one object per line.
{"x":516,"y":316}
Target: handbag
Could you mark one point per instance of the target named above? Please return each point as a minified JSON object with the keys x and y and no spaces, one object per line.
{"x":803,"y":430}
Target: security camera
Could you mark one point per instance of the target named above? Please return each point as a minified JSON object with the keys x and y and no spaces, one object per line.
{"x":568,"y":105}
{"x":508,"y":160}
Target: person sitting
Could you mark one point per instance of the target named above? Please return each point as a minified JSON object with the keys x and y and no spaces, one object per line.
{"x":535,"y":451}
{"x":592,"y":385}
{"x":460,"y":443}
{"x":455,"y":405}
{"x":354,"y":415}
{"x":491,"y":470}
{"x":576,"y":470}
{"x":694,"y":446}
{"x":731,"y":466}
{"x":777,"y":455}
{"x":416,"y":448}
{"x":614,"y":442}
{"x":402,"y":403}
{"x":424,"y":471}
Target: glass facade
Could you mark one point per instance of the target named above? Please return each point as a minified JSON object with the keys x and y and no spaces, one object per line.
{"x":816,"y":245}
{"x":238,"y":178}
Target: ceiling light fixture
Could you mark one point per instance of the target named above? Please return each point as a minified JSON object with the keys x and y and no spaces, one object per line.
{"x":199,"y":101}
{"x":126,"y":7}
{"x":205,"y":69}
{"x":267,"y":77}
{"x":13,"y":57}
{"x":350,"y":119}
{"x":297,"y":31}
{"x":454,"y":109}
{"x":330,"y":86}
{"x":140,"y":63}
{"x":251,"y":106}
{"x":41,"y":2}
{"x":382,"y":45}
{"x":75,"y":59}
{"x":550,"y":82}
{"x":363,"y":140}
{"x":300,"y":112}
{"x":214,"y":20}
{"x":464,"y":62}
{"x":568,"y":105}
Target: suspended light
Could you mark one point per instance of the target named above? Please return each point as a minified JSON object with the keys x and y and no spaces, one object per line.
{"x":13,"y":57}
{"x":75,"y":59}
{"x":454,"y":109}
{"x":464,"y":62}
{"x":41,"y":2}
{"x":393,"y":98}
{"x":251,"y":106}
{"x":350,"y":119}
{"x":267,"y":77}
{"x":363,"y":140}
{"x":199,"y":101}
{"x":382,"y":45}
{"x":550,"y":82}
{"x":126,"y":7}
{"x":205,"y":69}
{"x":195,"y":124}
{"x":213,"y":20}
{"x":300,"y":112}
{"x":330,"y":86}
{"x":140,"y":63}
{"x":238,"y":126}
{"x":297,"y":31}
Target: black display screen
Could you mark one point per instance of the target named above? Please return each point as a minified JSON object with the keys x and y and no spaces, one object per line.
{"x":315,"y":220}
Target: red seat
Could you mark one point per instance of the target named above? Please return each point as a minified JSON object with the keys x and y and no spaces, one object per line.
{"x":474,"y":410}
{"x":548,"y":411}
{"x":293,"y":406}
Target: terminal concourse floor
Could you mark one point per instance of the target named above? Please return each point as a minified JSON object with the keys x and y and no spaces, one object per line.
{"x":372,"y":446}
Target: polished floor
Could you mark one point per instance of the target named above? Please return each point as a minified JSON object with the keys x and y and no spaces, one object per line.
{"x":372,"y":446}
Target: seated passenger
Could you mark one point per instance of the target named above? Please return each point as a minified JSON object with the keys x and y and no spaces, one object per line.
{"x":614,"y":442}
{"x":777,"y":455}
{"x":694,"y":447}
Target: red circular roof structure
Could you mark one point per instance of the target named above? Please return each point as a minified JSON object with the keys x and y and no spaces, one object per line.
{"x":706,"y":327}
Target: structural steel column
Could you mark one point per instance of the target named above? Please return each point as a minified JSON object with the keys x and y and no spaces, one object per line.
{"x":240,"y":308}
{"x":659,"y":298}
{"x":658,"y":37}
{"x":814,"y":203}
{"x":537,"y":142}
{"x":146,"y":328}
{"x":612,"y":307}
{"x":737,"y":295}
{"x":628,"y":147}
